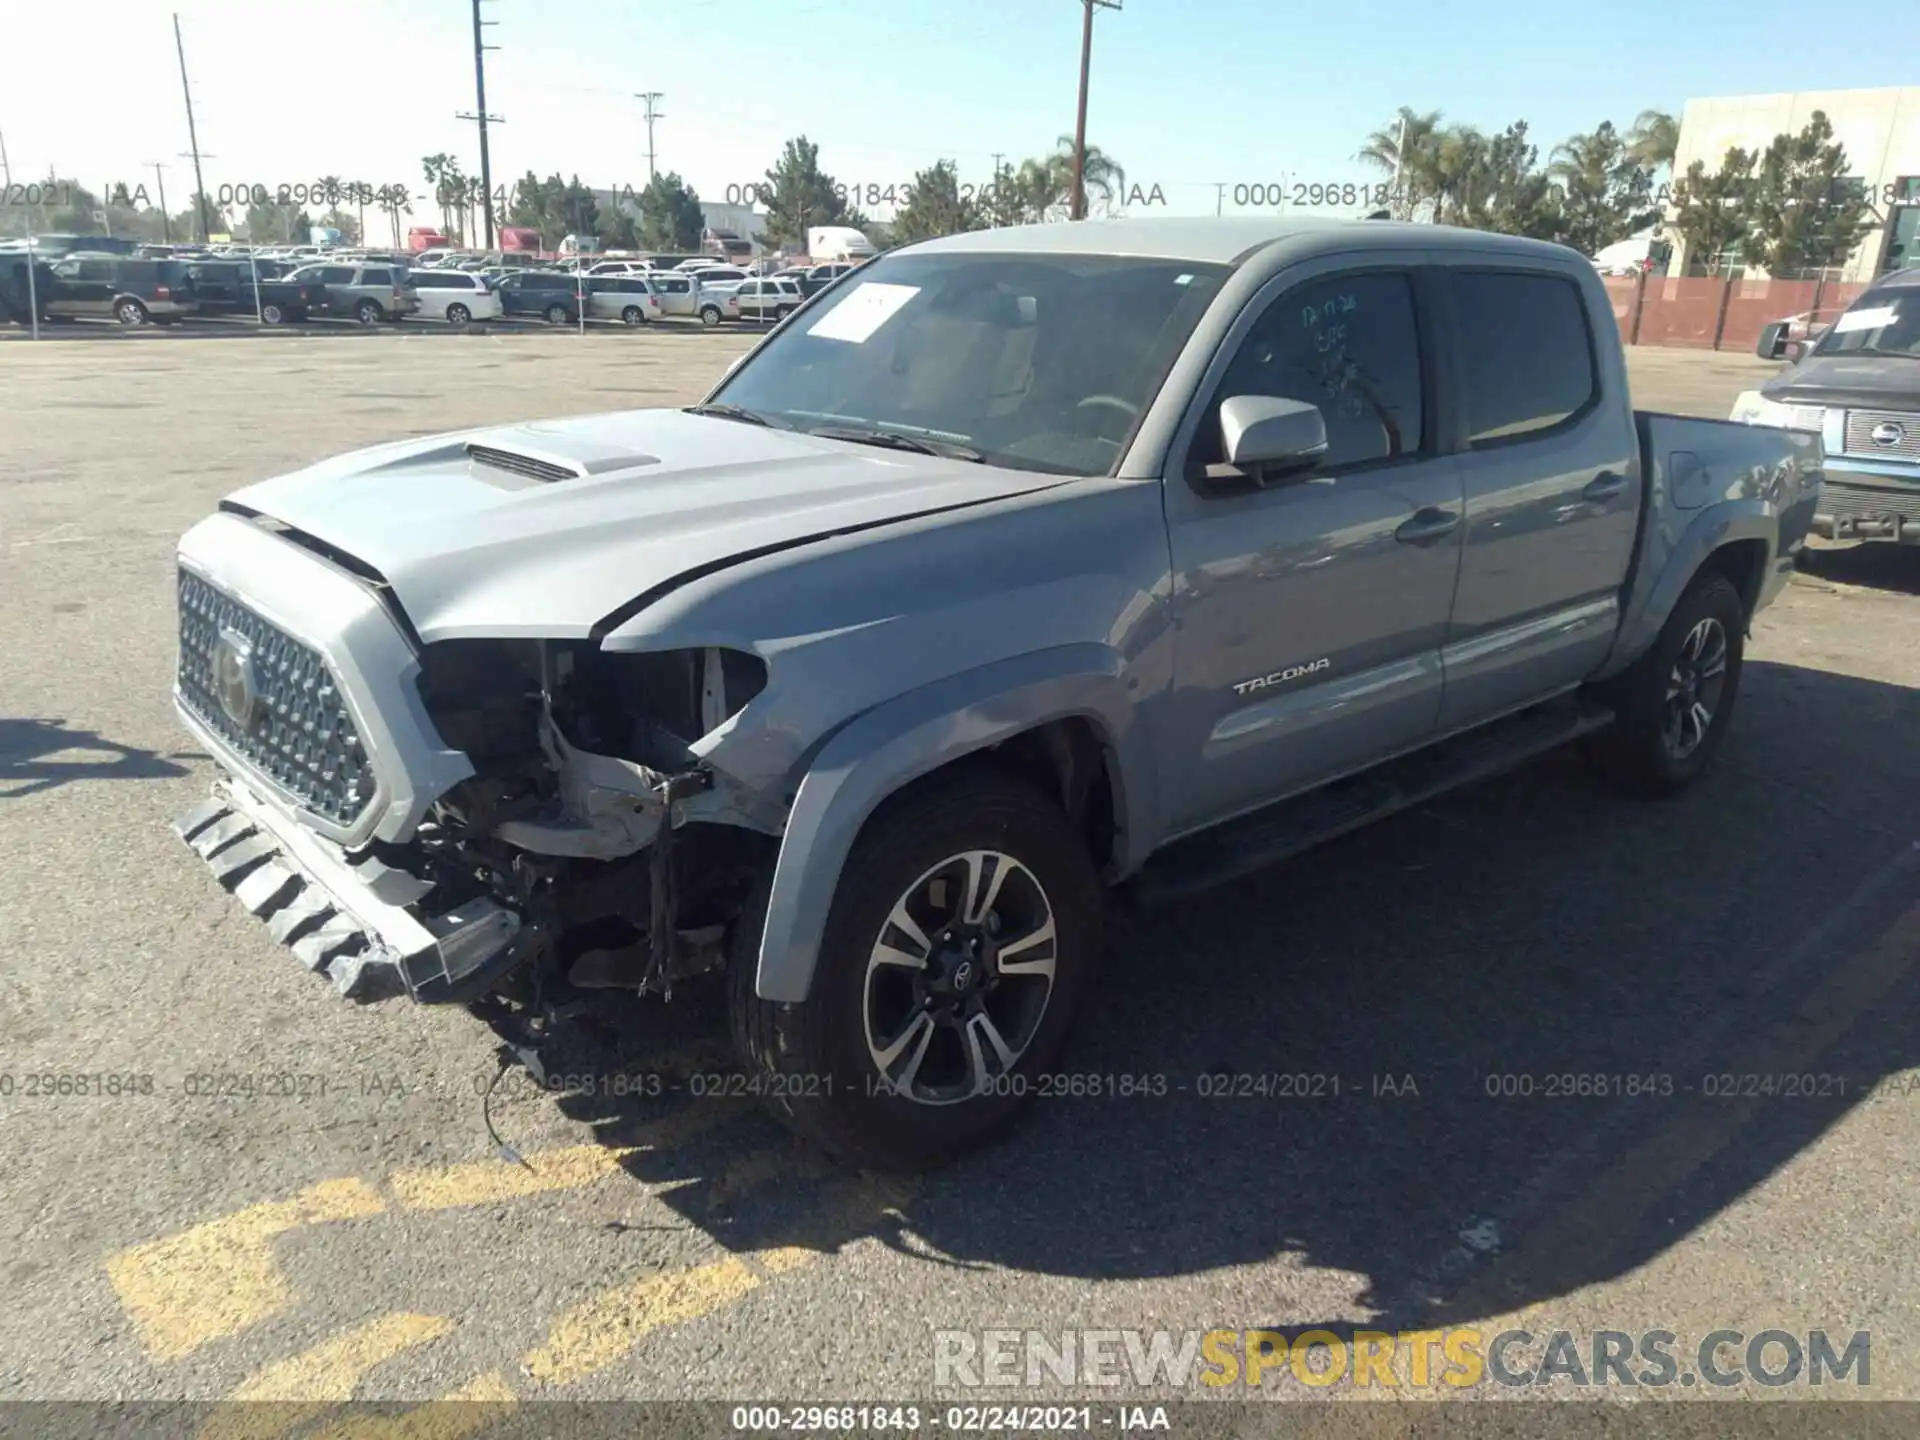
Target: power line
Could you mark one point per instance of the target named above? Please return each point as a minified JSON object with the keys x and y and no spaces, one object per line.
{"x":193,"y":139}
{"x":652,"y":115}
{"x":1078,"y":203}
{"x":480,"y":116}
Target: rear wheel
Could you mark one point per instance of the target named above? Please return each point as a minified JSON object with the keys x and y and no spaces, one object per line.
{"x":459,"y":316}
{"x":1673,"y":705}
{"x":367,"y":312}
{"x":557,"y":315}
{"x":634,"y":315}
{"x":130,"y":311}
{"x":963,"y":933}
{"x":272,"y":314}
{"x":709,"y":315}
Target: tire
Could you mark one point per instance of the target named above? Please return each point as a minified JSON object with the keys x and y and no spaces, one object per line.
{"x":634,"y":315}
{"x":368,"y":312}
{"x":458,"y":316}
{"x":130,"y":312}
{"x":710,"y":315}
{"x":820,"y":1059}
{"x":1658,"y":745}
{"x":271,"y":314}
{"x":557,"y":315}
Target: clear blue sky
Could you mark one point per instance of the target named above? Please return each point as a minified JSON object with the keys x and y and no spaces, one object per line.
{"x":1184,"y":94}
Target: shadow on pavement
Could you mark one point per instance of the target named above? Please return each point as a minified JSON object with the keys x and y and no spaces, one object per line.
{"x":1402,"y":1002}
{"x":38,"y":755}
{"x":1875,"y":564}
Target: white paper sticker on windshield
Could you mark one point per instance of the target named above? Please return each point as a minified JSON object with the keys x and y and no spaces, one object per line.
{"x":1871,"y":319}
{"x":870,"y":306}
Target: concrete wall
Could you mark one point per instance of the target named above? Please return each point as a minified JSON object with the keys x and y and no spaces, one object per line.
{"x":1880,"y":129}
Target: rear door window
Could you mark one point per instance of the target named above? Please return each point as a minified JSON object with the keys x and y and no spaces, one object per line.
{"x":1526,"y":354}
{"x":376,"y":277}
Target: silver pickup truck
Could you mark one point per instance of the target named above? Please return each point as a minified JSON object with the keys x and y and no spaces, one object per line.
{"x":1015,"y":567}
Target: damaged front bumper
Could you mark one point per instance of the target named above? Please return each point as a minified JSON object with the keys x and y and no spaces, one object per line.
{"x":363,"y":924}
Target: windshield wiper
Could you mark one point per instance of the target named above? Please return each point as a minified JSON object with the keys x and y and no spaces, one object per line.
{"x":893,"y":440}
{"x":738,"y":412}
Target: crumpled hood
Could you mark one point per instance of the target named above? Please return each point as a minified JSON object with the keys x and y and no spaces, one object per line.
{"x":473,"y":545}
{"x":1857,"y":382}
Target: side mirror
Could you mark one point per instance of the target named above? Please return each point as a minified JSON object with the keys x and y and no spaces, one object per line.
{"x":1270,"y":438}
{"x":1774,"y":344}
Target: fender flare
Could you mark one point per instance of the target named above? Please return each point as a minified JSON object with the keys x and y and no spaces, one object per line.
{"x":914,"y":734}
{"x":1650,"y":600}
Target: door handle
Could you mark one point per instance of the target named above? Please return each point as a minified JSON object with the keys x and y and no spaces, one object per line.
{"x":1427,"y":525}
{"x":1605,"y":486}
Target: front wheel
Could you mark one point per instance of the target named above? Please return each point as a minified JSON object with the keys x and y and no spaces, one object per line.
{"x":1673,"y":705}
{"x":964,"y":931}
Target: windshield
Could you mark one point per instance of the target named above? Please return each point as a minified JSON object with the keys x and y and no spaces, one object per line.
{"x":1040,"y":362}
{"x":1884,"y":324}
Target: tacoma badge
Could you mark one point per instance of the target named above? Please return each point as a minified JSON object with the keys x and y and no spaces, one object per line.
{"x":1280,"y":677}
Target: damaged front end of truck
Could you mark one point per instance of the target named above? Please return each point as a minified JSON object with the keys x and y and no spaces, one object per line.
{"x":537,"y":821}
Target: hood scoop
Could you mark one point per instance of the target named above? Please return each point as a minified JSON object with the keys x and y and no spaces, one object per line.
{"x":548,"y":469}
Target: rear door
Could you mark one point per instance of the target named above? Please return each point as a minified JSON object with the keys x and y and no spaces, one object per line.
{"x":1311,"y":613}
{"x":1551,"y":470}
{"x":338,"y":282}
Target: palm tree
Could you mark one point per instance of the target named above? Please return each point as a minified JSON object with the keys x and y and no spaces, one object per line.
{"x":1101,"y":174}
{"x":1654,"y":139}
{"x":1409,"y":148}
{"x":436,"y":169}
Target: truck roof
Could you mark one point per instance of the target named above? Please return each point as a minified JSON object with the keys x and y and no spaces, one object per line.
{"x":1228,"y":240}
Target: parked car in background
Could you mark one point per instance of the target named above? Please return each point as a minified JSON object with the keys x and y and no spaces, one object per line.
{"x":553,"y":295}
{"x":458,"y":297}
{"x":626,"y":298}
{"x":238,"y":287}
{"x":134,"y":292}
{"x":820,"y":276}
{"x":1857,"y":386}
{"x":369,"y":293}
{"x":768,"y":299}
{"x":676,"y":292}
{"x":716,"y":305}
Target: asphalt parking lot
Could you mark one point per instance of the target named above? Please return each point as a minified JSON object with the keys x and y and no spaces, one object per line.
{"x":245,"y":1187}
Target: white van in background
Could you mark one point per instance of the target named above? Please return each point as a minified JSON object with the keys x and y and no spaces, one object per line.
{"x":838,"y":244}
{"x":1634,"y":254}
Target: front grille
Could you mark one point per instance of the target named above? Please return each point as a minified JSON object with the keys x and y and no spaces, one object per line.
{"x":1862,"y":423}
{"x":299,"y":733}
{"x":1855,"y":502}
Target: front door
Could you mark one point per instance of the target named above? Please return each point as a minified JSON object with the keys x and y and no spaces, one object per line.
{"x":1310,"y":614}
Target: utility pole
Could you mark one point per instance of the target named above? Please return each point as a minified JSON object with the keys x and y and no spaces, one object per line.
{"x":166,"y":220}
{"x":193,"y":139}
{"x":1399,"y":160}
{"x":6,"y":170}
{"x":652,"y":115}
{"x":1219,"y":197}
{"x":481,"y":116}
{"x":1077,"y":204}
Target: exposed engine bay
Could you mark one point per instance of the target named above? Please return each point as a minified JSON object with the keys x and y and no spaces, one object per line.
{"x":590,"y":814}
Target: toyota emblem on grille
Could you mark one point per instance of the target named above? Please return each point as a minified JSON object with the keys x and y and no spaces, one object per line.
{"x":235,"y":680}
{"x":1889,"y":432}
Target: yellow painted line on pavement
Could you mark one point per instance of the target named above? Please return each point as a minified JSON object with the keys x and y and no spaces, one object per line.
{"x":486,"y":1182}
{"x":218,"y":1278}
{"x":470,"y":1410}
{"x":601,"y":1330}
{"x":306,"y":1385}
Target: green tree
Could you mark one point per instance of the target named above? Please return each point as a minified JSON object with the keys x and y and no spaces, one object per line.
{"x":1806,"y":213}
{"x":277,"y":224}
{"x":1605,"y":193}
{"x":670,"y":217}
{"x":933,"y":207}
{"x":799,"y":194}
{"x":1712,"y":213}
{"x":1653,"y":139}
{"x":1000,"y":201}
{"x":1505,"y":191}
{"x":1409,"y":146}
